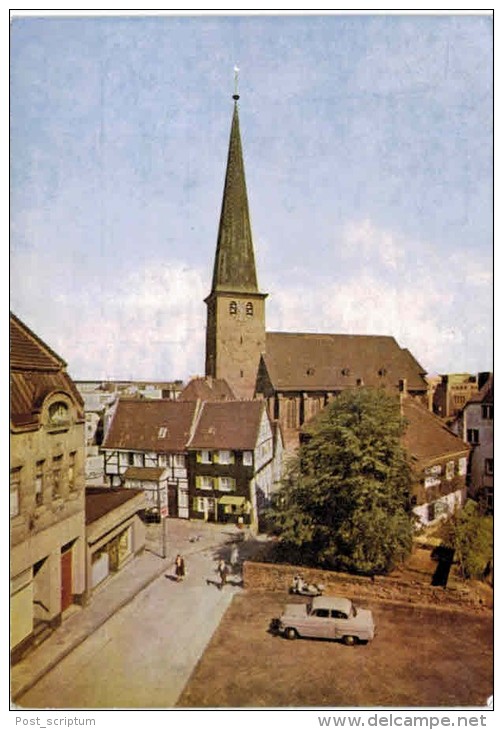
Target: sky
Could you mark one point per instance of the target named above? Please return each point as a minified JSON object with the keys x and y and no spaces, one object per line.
{"x":367,"y":143}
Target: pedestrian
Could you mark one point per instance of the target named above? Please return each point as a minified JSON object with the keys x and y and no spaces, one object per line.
{"x":240,"y":522}
{"x":234,"y":558}
{"x":222,"y":571}
{"x":179,"y":568}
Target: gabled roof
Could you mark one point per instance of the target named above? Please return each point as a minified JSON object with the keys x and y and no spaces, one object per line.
{"x":207,"y":389}
{"x":232,"y":425}
{"x":35,"y":372}
{"x":311,"y":362}
{"x":29,"y":352}
{"x":234,"y":268}
{"x":427,"y":437}
{"x":150,"y":425}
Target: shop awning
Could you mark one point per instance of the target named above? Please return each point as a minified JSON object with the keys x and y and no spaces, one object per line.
{"x":231,"y":499}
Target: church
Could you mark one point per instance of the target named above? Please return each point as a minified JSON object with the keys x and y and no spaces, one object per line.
{"x":296,"y":373}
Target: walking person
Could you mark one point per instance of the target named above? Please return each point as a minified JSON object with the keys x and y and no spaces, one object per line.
{"x":234,"y":558}
{"x":179,"y":568}
{"x":222,"y":571}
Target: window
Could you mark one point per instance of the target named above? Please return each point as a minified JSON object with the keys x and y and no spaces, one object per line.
{"x":462,"y":466}
{"x":227,"y":484}
{"x":249,"y":309}
{"x":179,"y":460}
{"x":15,"y":485}
{"x":204,"y":504}
{"x":56,"y":476}
{"x":233,"y":308}
{"x":225,"y":457}
{"x":321,"y":613}
{"x":204,"y":482}
{"x":472,"y":435}
{"x":431,"y":481}
{"x":130,"y":459}
{"x":163,"y":432}
{"x":487,"y":412}
{"x":247,"y":458}
{"x":489,"y":467}
{"x":163,"y":460}
{"x":39,"y":482}
{"x":71,"y":471}
{"x":139,"y":460}
{"x":449,"y":470}
{"x":204,"y":457}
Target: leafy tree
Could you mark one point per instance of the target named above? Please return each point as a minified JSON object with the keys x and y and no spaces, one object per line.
{"x":345,"y":501}
{"x":470,"y":533}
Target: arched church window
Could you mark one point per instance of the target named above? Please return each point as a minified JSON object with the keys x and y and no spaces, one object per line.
{"x":233,"y":308}
{"x":249,"y":309}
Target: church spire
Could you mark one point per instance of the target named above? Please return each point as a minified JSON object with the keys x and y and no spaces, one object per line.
{"x":234,"y":269}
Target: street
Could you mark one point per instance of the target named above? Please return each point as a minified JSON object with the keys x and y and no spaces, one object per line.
{"x":143,"y":656}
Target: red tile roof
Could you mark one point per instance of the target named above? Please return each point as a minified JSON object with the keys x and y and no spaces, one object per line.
{"x":320,"y":362}
{"x":206,"y":389}
{"x":230,"y":425}
{"x":150,"y":425}
{"x":427,"y":437}
{"x":35,"y":372}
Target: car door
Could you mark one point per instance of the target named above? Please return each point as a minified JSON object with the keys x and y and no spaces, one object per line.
{"x":340,"y":623}
{"x":320,"y":625}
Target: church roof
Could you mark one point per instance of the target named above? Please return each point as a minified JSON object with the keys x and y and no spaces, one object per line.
{"x":234,"y":269}
{"x":311,"y":362}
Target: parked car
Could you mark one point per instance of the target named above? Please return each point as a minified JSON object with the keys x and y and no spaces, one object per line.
{"x":327,"y":617}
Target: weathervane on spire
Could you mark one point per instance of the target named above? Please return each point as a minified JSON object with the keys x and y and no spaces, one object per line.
{"x":235,"y":96}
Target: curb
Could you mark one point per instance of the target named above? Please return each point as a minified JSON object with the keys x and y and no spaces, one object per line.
{"x":32,"y":681}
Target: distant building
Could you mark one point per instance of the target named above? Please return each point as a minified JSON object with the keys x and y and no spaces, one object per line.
{"x":296,"y":373}
{"x":440,"y":463}
{"x":47,"y":502}
{"x":475,"y":424}
{"x":207,"y":389}
{"x":145,"y":448}
{"x":234,"y":461}
{"x":452,"y":392}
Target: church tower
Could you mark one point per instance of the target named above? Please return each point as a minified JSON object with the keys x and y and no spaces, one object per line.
{"x":235,"y":330}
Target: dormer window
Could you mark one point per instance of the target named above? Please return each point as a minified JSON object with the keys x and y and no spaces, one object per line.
{"x":345,"y":371}
{"x":233,"y":308}
{"x":163,"y":432}
{"x":310,"y":371}
{"x":249,"y":309}
{"x":382,"y":372}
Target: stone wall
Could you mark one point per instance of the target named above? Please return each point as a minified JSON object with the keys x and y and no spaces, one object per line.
{"x":277,"y":577}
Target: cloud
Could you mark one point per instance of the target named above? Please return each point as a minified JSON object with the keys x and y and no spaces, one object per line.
{"x":441,"y":309}
{"x":148,"y":324}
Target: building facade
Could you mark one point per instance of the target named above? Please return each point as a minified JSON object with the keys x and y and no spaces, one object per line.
{"x":145,"y":448}
{"x":440,"y":464}
{"x":47,"y":495}
{"x":452,"y":393}
{"x":234,"y":462}
{"x":475,"y":424}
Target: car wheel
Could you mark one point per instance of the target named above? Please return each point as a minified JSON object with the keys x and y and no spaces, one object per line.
{"x":349,"y":640}
{"x":291,"y":634}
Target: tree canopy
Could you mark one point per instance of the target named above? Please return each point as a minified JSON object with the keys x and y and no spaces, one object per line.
{"x":470,"y":534}
{"x":345,"y":501}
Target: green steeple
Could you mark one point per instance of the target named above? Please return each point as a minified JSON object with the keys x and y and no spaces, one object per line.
{"x":234,"y":269}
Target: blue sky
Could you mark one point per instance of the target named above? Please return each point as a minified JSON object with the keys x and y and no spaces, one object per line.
{"x":368,"y":153}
